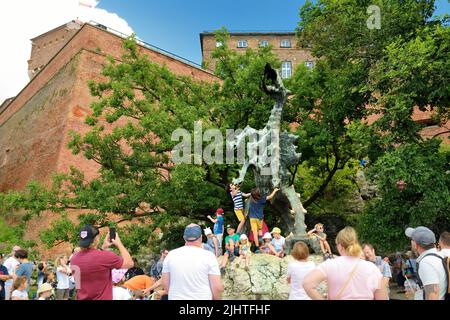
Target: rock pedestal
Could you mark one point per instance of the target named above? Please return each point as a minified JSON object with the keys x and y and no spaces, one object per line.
{"x":265,"y":279}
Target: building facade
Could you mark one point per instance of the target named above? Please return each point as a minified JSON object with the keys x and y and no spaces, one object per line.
{"x":35,"y":125}
{"x":284,"y":45}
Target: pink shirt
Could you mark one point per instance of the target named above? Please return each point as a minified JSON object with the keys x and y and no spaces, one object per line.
{"x":95,"y":273}
{"x":362,"y":286}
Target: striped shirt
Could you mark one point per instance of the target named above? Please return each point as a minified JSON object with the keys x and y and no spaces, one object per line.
{"x":237,"y":199}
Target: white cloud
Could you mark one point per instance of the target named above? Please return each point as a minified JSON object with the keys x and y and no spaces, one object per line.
{"x":22,"y":20}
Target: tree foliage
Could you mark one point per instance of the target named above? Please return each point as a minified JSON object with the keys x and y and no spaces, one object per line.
{"x":359,"y":72}
{"x":424,"y":201}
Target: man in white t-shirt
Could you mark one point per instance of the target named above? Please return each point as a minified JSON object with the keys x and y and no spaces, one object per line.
{"x":431,"y":272}
{"x":11,"y":264}
{"x":444,"y":243}
{"x":190,"y":272}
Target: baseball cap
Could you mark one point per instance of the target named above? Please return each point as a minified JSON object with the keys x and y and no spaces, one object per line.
{"x":243,"y":237}
{"x":230,"y":226}
{"x":118,"y":274}
{"x":207,"y":231}
{"x":192,"y":232}
{"x":267,"y":236}
{"x":219,"y":211}
{"x":87,"y":235}
{"x":276,"y":230}
{"x":421,"y":235}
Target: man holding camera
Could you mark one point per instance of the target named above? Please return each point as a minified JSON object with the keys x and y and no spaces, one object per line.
{"x":92,"y":267}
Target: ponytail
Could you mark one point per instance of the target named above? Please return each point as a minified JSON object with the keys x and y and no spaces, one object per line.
{"x":354,"y":250}
{"x":348,"y":239}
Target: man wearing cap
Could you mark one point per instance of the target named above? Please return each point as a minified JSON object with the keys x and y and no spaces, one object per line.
{"x":190,"y":272}
{"x":11,"y":264}
{"x":431,"y":273}
{"x":92,"y":267}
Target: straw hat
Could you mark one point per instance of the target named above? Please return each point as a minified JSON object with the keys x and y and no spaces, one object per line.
{"x":44,"y":288}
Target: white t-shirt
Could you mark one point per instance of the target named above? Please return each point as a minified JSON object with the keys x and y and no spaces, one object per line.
{"x":63,"y":279}
{"x":297,"y":271}
{"x":366,"y":278}
{"x":278,"y":243}
{"x":431,"y":271}
{"x":11,"y":264}
{"x":120,"y":293}
{"x":19,"y":294}
{"x":189,"y":268}
{"x":445,"y":252}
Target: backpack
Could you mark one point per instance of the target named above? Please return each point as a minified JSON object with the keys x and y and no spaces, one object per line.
{"x":446,"y":265}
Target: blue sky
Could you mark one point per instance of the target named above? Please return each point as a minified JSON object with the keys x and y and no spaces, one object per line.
{"x":174,"y":25}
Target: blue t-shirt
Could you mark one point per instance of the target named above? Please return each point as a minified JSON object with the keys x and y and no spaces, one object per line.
{"x":256,"y":208}
{"x":3,"y":272}
{"x":218,"y":226}
{"x":25,"y":269}
{"x":383,"y":266}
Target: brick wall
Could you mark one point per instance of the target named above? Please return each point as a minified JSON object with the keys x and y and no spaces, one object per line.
{"x":35,"y":126}
{"x":293,"y":54}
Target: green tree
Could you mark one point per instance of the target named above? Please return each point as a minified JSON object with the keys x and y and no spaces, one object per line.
{"x":424,"y":200}
{"x":145,"y":103}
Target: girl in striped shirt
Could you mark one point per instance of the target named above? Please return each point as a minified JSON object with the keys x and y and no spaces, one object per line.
{"x":237,"y":195}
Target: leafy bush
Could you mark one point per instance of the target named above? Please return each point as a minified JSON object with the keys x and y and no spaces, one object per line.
{"x":424,"y":201}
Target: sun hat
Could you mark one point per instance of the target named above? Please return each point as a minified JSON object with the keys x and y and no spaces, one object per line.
{"x":44,"y":288}
{"x":267,"y":235}
{"x":118,"y":274}
{"x":276,"y":230}
{"x":207,"y":231}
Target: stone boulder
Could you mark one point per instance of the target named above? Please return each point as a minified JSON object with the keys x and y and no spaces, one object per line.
{"x":265,"y":279}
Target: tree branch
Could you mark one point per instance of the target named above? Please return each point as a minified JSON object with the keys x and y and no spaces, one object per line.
{"x":324,"y":185}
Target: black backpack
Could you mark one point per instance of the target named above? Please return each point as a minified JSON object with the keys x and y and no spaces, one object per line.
{"x":446,"y":265}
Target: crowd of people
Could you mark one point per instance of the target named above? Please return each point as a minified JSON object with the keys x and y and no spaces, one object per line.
{"x":195,"y":270}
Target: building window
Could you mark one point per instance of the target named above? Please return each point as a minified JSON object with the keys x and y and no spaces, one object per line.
{"x":309,"y":65}
{"x":263,"y":43}
{"x":242,"y":44}
{"x":286,"y":69}
{"x":285,"y":43}
{"x":219,"y":44}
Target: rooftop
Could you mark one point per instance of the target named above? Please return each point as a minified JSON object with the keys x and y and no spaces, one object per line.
{"x":252,"y":32}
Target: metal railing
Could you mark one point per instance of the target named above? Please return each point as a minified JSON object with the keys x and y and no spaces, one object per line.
{"x":252,"y":31}
{"x":147,"y":45}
